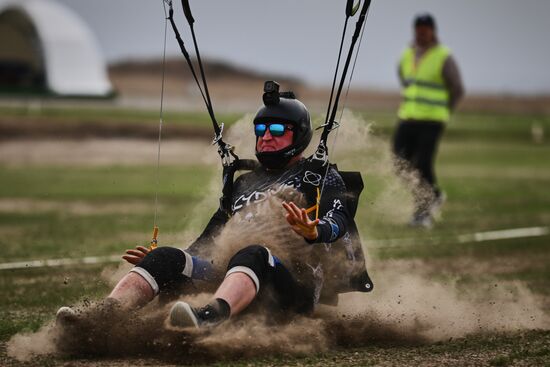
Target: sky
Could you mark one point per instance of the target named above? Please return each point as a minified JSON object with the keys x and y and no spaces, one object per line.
{"x":501,"y":46}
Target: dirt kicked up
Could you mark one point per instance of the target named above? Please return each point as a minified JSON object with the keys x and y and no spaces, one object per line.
{"x":414,"y":316}
{"x":408,"y":310}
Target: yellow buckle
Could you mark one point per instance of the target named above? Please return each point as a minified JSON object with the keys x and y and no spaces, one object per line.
{"x":154,"y":242}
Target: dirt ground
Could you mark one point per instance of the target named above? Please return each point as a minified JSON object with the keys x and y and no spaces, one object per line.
{"x":517,"y":349}
{"x":403,"y":334}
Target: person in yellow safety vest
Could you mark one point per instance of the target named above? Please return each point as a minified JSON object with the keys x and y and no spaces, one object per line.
{"x":432,"y":87}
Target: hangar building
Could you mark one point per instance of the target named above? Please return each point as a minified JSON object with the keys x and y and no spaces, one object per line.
{"x":47,"y":48}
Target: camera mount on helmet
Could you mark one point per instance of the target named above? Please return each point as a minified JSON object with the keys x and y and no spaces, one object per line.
{"x":272,"y":96}
{"x":271,"y":93}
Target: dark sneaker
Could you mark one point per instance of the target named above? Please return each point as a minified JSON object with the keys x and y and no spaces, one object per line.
{"x":182,"y":315}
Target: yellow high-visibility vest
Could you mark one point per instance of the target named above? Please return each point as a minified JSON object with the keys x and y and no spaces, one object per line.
{"x":425,"y":96}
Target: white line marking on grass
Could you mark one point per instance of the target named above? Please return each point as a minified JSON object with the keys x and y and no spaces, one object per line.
{"x":60,"y":262}
{"x":503,"y":234}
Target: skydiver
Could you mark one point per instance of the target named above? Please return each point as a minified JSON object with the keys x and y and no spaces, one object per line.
{"x":320,"y":259}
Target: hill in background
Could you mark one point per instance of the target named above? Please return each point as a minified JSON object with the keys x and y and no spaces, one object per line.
{"x":234,"y":88}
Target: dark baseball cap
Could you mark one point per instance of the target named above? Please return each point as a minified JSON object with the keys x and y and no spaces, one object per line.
{"x":425,"y":19}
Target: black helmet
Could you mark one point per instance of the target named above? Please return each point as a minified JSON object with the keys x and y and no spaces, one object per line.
{"x":283,"y":108}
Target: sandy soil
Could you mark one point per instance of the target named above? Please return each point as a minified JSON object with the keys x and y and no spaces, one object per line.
{"x":424,"y":312}
{"x":483,"y":350}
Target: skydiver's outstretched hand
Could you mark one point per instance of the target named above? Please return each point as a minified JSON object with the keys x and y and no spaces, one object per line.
{"x":135,"y":256}
{"x":300,"y":222}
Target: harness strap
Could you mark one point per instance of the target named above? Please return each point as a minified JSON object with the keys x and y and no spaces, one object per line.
{"x":228,"y":177}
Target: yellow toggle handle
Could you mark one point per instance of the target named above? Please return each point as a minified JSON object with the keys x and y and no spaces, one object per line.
{"x":154,"y":242}
{"x":316,"y":206}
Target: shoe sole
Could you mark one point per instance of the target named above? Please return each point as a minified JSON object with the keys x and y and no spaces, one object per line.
{"x":182,"y":315}
{"x":66,"y":316}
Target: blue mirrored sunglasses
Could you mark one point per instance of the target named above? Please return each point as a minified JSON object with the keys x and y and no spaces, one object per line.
{"x":274,"y":129}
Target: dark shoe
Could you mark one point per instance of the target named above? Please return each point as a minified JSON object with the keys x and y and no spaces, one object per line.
{"x":182,"y":315}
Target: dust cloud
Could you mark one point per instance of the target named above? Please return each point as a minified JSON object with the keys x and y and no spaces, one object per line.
{"x":412,"y":302}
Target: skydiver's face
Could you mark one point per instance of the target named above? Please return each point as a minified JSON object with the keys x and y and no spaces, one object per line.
{"x":271,"y":143}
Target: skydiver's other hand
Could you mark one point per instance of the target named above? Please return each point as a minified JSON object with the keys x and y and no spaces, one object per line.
{"x":300,"y":222}
{"x":135,"y":256}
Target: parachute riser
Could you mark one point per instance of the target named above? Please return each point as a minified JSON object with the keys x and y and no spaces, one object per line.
{"x":330,"y":122}
{"x":321,"y":157}
{"x":226,"y":151}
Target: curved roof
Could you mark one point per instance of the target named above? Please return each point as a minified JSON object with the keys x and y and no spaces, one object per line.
{"x":73,"y":62}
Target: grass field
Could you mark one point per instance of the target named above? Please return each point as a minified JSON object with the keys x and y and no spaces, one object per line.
{"x":495,"y":176}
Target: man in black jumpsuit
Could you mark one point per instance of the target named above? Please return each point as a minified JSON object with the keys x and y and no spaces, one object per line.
{"x":287,"y":278}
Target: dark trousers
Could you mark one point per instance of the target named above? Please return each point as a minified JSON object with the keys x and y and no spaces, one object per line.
{"x":415,"y":146}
